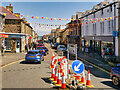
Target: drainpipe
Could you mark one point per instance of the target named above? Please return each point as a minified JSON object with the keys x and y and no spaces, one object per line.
{"x":114,"y":27}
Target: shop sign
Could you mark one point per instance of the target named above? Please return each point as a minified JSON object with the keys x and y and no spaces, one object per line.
{"x":4,"y":35}
{"x":115,"y":33}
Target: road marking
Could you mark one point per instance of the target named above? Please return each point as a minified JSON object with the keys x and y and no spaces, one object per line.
{"x":94,"y":65}
{"x":11,"y":63}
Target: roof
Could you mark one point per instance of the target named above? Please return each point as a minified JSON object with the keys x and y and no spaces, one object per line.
{"x":9,"y":15}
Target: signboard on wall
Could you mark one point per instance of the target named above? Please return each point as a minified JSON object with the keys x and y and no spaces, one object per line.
{"x":72,"y":48}
{"x":4,"y":35}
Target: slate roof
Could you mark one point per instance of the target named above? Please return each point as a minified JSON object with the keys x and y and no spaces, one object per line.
{"x":9,"y":15}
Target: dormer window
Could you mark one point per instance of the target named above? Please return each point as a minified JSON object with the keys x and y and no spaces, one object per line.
{"x":101,"y":12}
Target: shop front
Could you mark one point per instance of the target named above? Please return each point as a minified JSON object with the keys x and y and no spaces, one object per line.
{"x":99,"y":45}
{"x":107,"y":48}
{"x":13,"y":43}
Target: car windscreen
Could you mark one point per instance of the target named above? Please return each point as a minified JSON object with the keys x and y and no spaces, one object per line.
{"x":33,"y":52}
{"x":62,"y":46}
{"x":40,"y":47}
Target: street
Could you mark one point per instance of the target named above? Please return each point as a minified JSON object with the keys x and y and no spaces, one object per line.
{"x":22,"y":75}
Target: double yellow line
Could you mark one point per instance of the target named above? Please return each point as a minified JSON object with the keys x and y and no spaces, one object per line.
{"x":11,"y":63}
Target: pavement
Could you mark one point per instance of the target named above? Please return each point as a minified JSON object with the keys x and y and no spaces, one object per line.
{"x":94,"y":59}
{"x":11,"y":57}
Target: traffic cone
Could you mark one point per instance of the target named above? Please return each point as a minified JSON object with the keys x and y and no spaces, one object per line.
{"x":69,"y":68}
{"x":78,"y":77}
{"x":53,"y":73}
{"x":58,"y":79}
{"x":61,"y":70}
{"x":83,"y":78}
{"x":88,"y":83}
{"x":56,"y":76}
{"x":63,"y":82}
{"x":52,"y":66}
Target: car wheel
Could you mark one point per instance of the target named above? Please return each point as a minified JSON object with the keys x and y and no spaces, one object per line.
{"x":40,"y":62}
{"x":115,"y":81}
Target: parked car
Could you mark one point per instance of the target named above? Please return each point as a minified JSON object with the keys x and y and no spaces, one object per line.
{"x":40,"y":44}
{"x":43,"y":49}
{"x":34,"y":56}
{"x":55,"y":45}
{"x":115,"y":75}
{"x":62,"y":48}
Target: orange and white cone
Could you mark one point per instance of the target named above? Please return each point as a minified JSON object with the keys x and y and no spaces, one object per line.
{"x":78,"y":77}
{"x":52,"y":66}
{"x":53,"y":73}
{"x":61,"y":70}
{"x":63,"y":82}
{"x":83,"y":78}
{"x":88,"y":83}
{"x":69,"y":72}
{"x":58,"y":79}
{"x":56,"y":76}
{"x":69,"y":68}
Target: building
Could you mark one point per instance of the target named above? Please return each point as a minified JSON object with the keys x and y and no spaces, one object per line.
{"x":74,"y":28}
{"x":2,"y":34}
{"x":57,"y":35}
{"x":100,"y":29}
{"x":52,"y":37}
{"x":18,"y":30}
{"x":63,"y":36}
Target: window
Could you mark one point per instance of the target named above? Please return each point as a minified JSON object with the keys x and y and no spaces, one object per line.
{"x":101,"y":12}
{"x":94,"y":29}
{"x":86,"y":29}
{"x":111,"y":8}
{"x":19,"y":29}
{"x":102,"y":27}
{"x":110,"y":26}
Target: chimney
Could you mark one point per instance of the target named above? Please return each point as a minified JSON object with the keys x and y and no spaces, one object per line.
{"x":17,"y":14}
{"x":73,"y":17}
{"x":9,"y":8}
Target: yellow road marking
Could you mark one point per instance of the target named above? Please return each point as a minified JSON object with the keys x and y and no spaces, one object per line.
{"x":94,"y":65}
{"x":11,"y":63}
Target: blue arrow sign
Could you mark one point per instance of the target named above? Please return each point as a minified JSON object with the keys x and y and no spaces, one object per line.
{"x":78,"y":66}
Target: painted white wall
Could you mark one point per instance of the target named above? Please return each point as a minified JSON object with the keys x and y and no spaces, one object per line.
{"x":106,"y":13}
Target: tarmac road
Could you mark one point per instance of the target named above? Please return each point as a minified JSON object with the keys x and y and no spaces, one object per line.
{"x":22,"y":75}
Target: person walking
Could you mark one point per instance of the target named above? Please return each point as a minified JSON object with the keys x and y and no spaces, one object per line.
{"x":26,"y":48}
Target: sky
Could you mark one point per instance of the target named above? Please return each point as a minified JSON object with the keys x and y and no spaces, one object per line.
{"x":51,"y":10}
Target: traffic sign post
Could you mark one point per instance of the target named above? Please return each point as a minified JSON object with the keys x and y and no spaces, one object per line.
{"x":78,"y":66}
{"x":76,"y":50}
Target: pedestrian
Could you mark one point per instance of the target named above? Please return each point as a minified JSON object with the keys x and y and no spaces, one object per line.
{"x":51,"y":44}
{"x":26,"y":48}
{"x":29,"y":46}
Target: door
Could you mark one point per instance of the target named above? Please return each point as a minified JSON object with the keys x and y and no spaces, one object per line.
{"x":17,"y":45}
{"x":13,"y":45}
